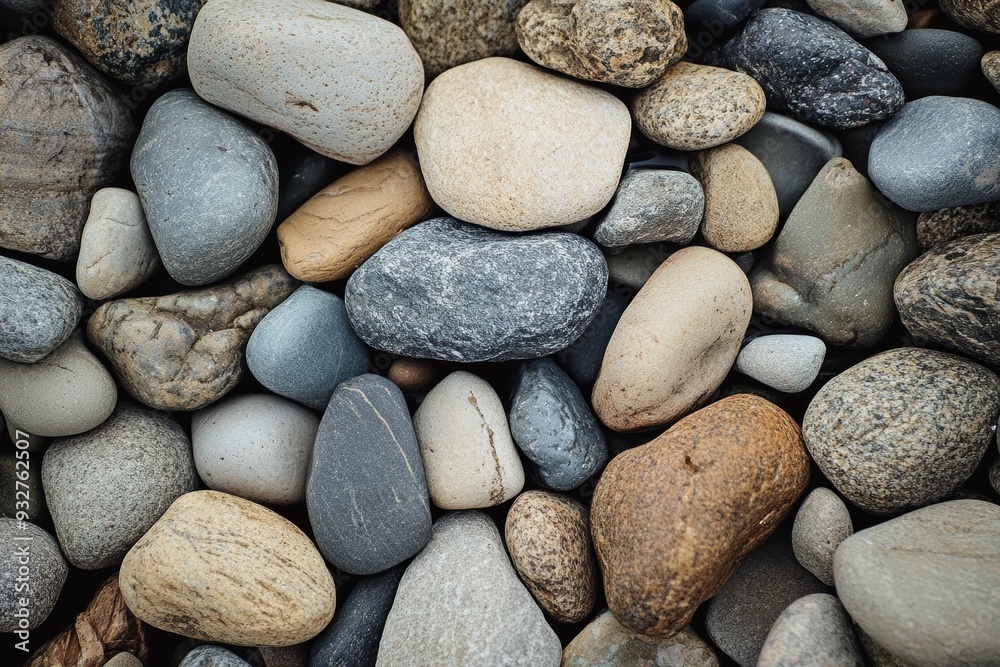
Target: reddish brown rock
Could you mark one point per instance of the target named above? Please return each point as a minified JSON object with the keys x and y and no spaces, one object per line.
{"x":413,"y":375}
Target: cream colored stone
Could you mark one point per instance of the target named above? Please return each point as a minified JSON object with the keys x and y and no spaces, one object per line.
{"x":676,"y":341}
{"x":345,"y":83}
{"x":223,"y":569}
{"x":346,"y":222}
{"x":468,"y":452}
{"x":511,"y":146}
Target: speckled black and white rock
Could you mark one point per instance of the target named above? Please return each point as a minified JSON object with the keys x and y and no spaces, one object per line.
{"x":948,"y":296}
{"x":607,"y":643}
{"x":40,"y":310}
{"x":452,"y":291}
{"x":786,"y":362}
{"x":948,"y":224}
{"x":367,"y":494}
{"x":212,"y":656}
{"x":921,"y":167}
{"x":582,"y":359}
{"x":821,"y":524}
{"x":106,"y":487}
{"x":814,"y":69}
{"x":864,"y":18}
{"x":813,"y":630}
{"x":903,"y":428}
{"x":27,"y":545}
{"x":975,"y":14}
{"x":208,"y":184}
{"x":305,"y":347}
{"x":929,"y":61}
{"x":553,"y":425}
{"x":652,"y":205}
{"x":990,"y":64}
{"x":352,"y":639}
{"x":924,"y":584}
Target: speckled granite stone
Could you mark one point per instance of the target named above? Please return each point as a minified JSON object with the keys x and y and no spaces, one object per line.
{"x":976,"y":14}
{"x":813,"y":630}
{"x":990,"y":65}
{"x":40,"y":310}
{"x":821,"y":524}
{"x":652,"y":205}
{"x":948,"y":224}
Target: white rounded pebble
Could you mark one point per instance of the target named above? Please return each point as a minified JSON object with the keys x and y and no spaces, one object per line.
{"x":786,"y":362}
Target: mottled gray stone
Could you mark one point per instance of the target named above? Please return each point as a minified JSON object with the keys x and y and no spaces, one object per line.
{"x":903,"y":428}
{"x":844,"y":292}
{"x":652,"y":205}
{"x":813,"y":69}
{"x":582,"y":359}
{"x":460,"y":603}
{"x":948,"y":296}
{"x":212,"y":656}
{"x":924,"y":585}
{"x":452,"y":291}
{"x":106,"y":487}
{"x":40,"y":310}
{"x":47,"y":573}
{"x":607,"y":643}
{"x":786,"y":362}
{"x":813,"y":630}
{"x":821,"y":524}
{"x":929,"y":61}
{"x":948,"y":224}
{"x":863,"y":18}
{"x":305,"y":347}
{"x":366,"y":493}
{"x":24,"y":6}
{"x":208,"y":184}
{"x":938,"y":152}
{"x":634,"y":265}
{"x":553,"y":425}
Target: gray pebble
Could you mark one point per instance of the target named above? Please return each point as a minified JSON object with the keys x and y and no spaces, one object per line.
{"x":786,"y":362}
{"x":40,"y":310}
{"x":652,"y":205}
{"x":40,"y":586}
{"x":929,"y":61}
{"x":812,"y":631}
{"x":634,"y":265}
{"x":821,"y":524}
{"x":582,"y":359}
{"x":212,"y":656}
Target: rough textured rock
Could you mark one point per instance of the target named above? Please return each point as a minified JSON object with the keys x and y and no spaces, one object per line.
{"x":844,"y":294}
{"x":67,"y":134}
{"x":625,"y":43}
{"x":990,"y":65}
{"x":142,"y":43}
{"x":786,"y":362}
{"x":117,"y":252}
{"x":468,"y":453}
{"x":548,"y":537}
{"x":66,"y":392}
{"x":404,"y":299}
{"x":741,"y":206}
{"x":672,"y":519}
{"x":461,"y":583}
{"x":922,"y":585}
{"x":45,"y":579}
{"x":929,"y":61}
{"x":921,"y":168}
{"x":352,"y":639}
{"x":207,"y":569}
{"x":948,"y":224}
{"x":350,"y":82}
{"x":607,"y":643}
{"x":366,"y":465}
{"x":821,"y":524}
{"x":582,"y":359}
{"x":212,"y":656}
{"x":530,"y":130}
{"x":814,"y":629}
{"x":185,"y":150}
{"x":814,"y":69}
{"x":106,"y":487}
{"x":184,"y":351}
{"x":10,"y":474}
{"x":652,"y":205}
{"x":948,"y":296}
{"x":693,"y":107}
{"x":712,"y":17}
{"x":552,"y":423}
{"x":854,"y":427}
{"x":126,"y":660}
{"x":343,"y":224}
{"x":863,"y":19}
{"x":40,"y":309}
{"x":976,"y":14}
{"x":676,"y":341}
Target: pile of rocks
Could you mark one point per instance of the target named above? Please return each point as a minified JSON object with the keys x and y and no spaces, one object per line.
{"x":525,"y":332}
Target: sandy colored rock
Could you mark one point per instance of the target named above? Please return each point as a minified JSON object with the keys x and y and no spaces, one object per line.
{"x":672,"y":519}
{"x":676,"y":341}
{"x":208,"y":568}
{"x":948,"y":224}
{"x":346,"y":222}
{"x":821,"y":524}
{"x":990,"y":65}
{"x":548,"y":537}
{"x":741,"y":206}
{"x":183,"y":351}
{"x":620,"y":42}
{"x":607,"y":643}
{"x":413,"y":375}
{"x":863,"y":19}
{"x":976,"y":14}
{"x":549,"y":150}
{"x":694,"y":107}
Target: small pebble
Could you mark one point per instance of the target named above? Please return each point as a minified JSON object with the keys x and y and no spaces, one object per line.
{"x":990,"y":64}
{"x":813,"y":630}
{"x":10,"y":475}
{"x":607,"y":643}
{"x":863,"y":19}
{"x":786,"y":362}
{"x":47,"y":571}
{"x":413,"y":376}
{"x":821,"y":524}
{"x":41,"y":309}
{"x":633,"y":265}
{"x":652,"y":205}
{"x":212,"y":656}
{"x":352,"y":639}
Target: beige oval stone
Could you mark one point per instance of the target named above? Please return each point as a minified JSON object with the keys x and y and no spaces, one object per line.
{"x":346,"y":222}
{"x":509,"y":146}
{"x":741,"y":206}
{"x":676,"y":341}
{"x":223,"y":569}
{"x":694,"y":107}
{"x":548,"y":536}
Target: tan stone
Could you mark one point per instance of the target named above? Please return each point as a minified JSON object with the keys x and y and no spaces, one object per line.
{"x":676,"y":341}
{"x":672,"y":519}
{"x":607,"y":643}
{"x":976,"y":14}
{"x":548,"y":536}
{"x":223,"y":569}
{"x":991,"y":68}
{"x":741,"y":206}
{"x":346,"y":222}
{"x":413,"y":375}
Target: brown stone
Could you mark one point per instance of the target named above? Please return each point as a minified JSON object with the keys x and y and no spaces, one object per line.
{"x":548,"y":536}
{"x":185,"y":350}
{"x":925,"y":18}
{"x":991,"y":68}
{"x":948,"y":224}
{"x":976,"y":14}
{"x":413,"y":375}
{"x":346,"y":222}
{"x":672,"y":519}
{"x":223,"y":569}
{"x":620,"y":42}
